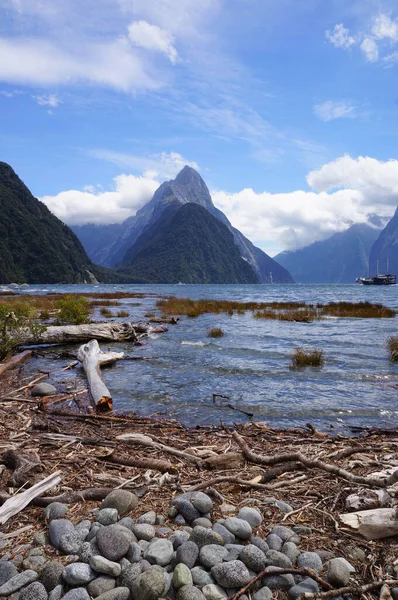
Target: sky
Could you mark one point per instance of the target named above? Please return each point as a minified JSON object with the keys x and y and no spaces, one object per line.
{"x":288,"y":110}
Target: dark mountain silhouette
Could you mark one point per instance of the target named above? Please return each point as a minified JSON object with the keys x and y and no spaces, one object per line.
{"x":384,"y":253}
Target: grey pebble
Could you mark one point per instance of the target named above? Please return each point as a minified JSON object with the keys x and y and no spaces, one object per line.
{"x":189,"y":592}
{"x":238,"y":527}
{"x":310,"y":560}
{"x":123,"y":500}
{"x":291,"y":551}
{"x":214,"y":592}
{"x":251,"y":515}
{"x":149,"y":518}
{"x":188,"y":553}
{"x":179,"y":520}
{"x":112,"y":542}
{"x":278,"y":582}
{"x":78,"y":574}
{"x":134,"y":552}
{"x":55,"y":510}
{"x":144,"y":531}
{"x":338,"y":572}
{"x":201,"y":577}
{"x":85,"y":524}
{"x":120,"y":593}
{"x":105,"y":566}
{"x":127,"y":522}
{"x":129,"y":575}
{"x":253,"y":558}
{"x":51,"y":575}
{"x":34,"y":591}
{"x":227,"y":536}
{"x":56,"y":593}
{"x":307,"y":585}
{"x":17,"y":582}
{"x":231,"y":574}
{"x":71,"y":542}
{"x":182,"y":576}
{"x":187,"y":509}
{"x":203,"y":522}
{"x":7,"y":571}
{"x":285,"y":533}
{"x":159,"y":552}
{"x":212,"y":554}
{"x":77,"y":594}
{"x":102,"y":584}
{"x":107,"y":516}
{"x":278,"y":559}
{"x":43,"y":389}
{"x":57,"y":529}
{"x":274,"y":542}
{"x":263,"y":593}
{"x":260,"y":543}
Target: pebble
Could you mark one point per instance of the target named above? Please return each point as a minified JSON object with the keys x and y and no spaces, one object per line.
{"x":227,"y":510}
{"x":127,"y":522}
{"x":291,"y":550}
{"x":251,"y":515}
{"x":182,"y":576}
{"x":274,"y":542}
{"x":105,"y":566}
{"x":189,"y":592}
{"x":34,"y":591}
{"x":78,"y":574}
{"x":338,"y":572}
{"x":201,"y":577}
{"x":100,"y":585}
{"x":302,"y":529}
{"x":51,"y":575}
{"x":238,"y":527}
{"x":129,"y":575}
{"x":41,"y":539}
{"x":71,"y":543}
{"x":85,"y":524}
{"x":7,"y":571}
{"x":56,"y":593}
{"x":134,"y":552}
{"x":202,"y":536}
{"x":179,"y":520}
{"x":112,"y":542}
{"x":43,"y":389}
{"x":285,"y":533}
{"x":107,"y":516}
{"x":227,"y":536}
{"x":149,"y":585}
{"x":310,"y":560}
{"x":231,"y":574}
{"x":188,"y":553}
{"x":278,"y":559}
{"x":55,"y":510}
{"x":263,"y":593}
{"x":203,"y":522}
{"x":211,"y":555}
{"x":57,"y":529}
{"x":187,"y":509}
{"x":278,"y":582}
{"x":253,"y":558}
{"x":308,"y":585}
{"x":120,"y":593}
{"x":144,"y":531}
{"x":123,"y":500}
{"x":260,"y":543}
{"x":178,"y":538}
{"x":159,"y":552}
{"x":17,"y":582}
{"x":149,"y":518}
{"x":202,"y":502}
{"x":214,"y":592}
{"x":126,"y":532}
{"x":77,"y":594}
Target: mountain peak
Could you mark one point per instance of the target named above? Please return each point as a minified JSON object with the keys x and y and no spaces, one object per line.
{"x":188,"y":175}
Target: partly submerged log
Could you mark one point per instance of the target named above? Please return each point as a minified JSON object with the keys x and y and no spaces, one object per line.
{"x":14,"y":361}
{"x":64,"y":334}
{"x":92,"y":358}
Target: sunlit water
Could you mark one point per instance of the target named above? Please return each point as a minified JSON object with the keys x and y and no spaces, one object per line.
{"x":358,"y":385}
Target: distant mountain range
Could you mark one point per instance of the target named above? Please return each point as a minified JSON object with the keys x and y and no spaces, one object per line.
{"x":121,"y":246}
{"x":384,"y":253}
{"x":340,"y":258}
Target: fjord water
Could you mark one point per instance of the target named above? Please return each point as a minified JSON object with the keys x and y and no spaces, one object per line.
{"x":357,"y":386}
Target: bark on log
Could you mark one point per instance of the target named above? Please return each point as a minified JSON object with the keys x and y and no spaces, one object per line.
{"x":14,"y":361}
{"x":65,"y":334}
{"x":92,"y":358}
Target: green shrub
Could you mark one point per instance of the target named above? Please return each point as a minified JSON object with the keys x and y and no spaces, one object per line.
{"x":307,"y":358}
{"x":392,"y":345}
{"x":14,"y":323}
{"x":215,"y":332}
{"x":73,"y":309}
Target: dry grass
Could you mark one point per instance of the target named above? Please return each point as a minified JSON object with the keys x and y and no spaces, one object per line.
{"x":392,"y":345}
{"x":105,"y":303}
{"x":122,"y":313}
{"x":105,"y":312}
{"x":357,"y":310}
{"x":307,"y":358}
{"x":215,"y":332}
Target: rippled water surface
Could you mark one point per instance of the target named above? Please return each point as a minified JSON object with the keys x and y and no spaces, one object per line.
{"x":358,"y":385}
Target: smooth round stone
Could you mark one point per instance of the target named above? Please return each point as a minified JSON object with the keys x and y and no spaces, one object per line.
{"x":302,"y":529}
{"x":227,"y":536}
{"x":231,"y":574}
{"x":56,"y":593}
{"x":202,"y":502}
{"x":202,"y":536}
{"x":71,"y":543}
{"x":149,"y":518}
{"x":227,"y":510}
{"x":7,"y":571}
{"x":214,"y":592}
{"x":263,"y":593}
{"x":126,"y":532}
{"x":34,"y":591}
{"x":77,"y":594}
{"x":105,"y":566}
{"x":187,"y":510}
{"x":189,"y":592}
{"x":57,"y":529}
{"x":163,"y":532}
{"x":182,"y":576}
{"x":278,"y":559}
{"x":51,"y":575}
{"x":144,"y":531}
{"x":107,"y":516}
{"x":253,"y":558}
{"x":43,"y":389}
{"x":211,"y":555}
{"x":150,"y":585}
{"x":143,"y":544}
{"x":120,"y":593}
{"x":179,"y":520}
{"x":310,"y":560}
{"x":285,"y":533}
{"x":188,"y":553}
{"x":41,"y":539}
{"x":145,"y":565}
{"x":178,"y":538}
{"x":238,"y":527}
{"x":123,"y":500}
{"x":159,"y":552}
{"x":55,"y":510}
{"x":127,"y":522}
{"x":134,"y":553}
{"x":338,"y":572}
{"x":251,"y":515}
{"x":274,"y":542}
{"x":202,"y":522}
{"x":100,"y":585}
{"x":260,"y":543}
{"x":308,"y":585}
{"x":201,"y":577}
{"x":112,"y":542}
{"x":291,"y":551}
{"x":129,"y":575}
{"x":78,"y":574}
{"x":14,"y":584}
{"x":85,"y":524}
{"x":278,"y":582}
{"x":160,"y":519}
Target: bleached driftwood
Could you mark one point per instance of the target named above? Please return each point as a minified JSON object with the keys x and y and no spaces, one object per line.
{"x":14,"y":361}
{"x":373,"y":524}
{"x":92,"y":358}
{"x":15,"y":504}
{"x":64,"y":334}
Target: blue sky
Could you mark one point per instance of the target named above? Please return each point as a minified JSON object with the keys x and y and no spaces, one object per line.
{"x":288,"y":109}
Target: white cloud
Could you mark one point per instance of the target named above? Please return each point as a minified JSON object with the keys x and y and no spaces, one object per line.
{"x":329,"y":110}
{"x":340,"y":37}
{"x":76,"y":207}
{"x":51,"y":100}
{"x":41,"y":62}
{"x":385,"y":28}
{"x":370,"y":49}
{"x":391,"y":59}
{"x":164,"y":165}
{"x":152,"y":37}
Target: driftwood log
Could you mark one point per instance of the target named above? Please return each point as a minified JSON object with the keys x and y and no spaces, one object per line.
{"x":373,"y":524}
{"x":65,"y":334}
{"x":16,"y":503}
{"x":14,"y":361}
{"x":92,"y":358}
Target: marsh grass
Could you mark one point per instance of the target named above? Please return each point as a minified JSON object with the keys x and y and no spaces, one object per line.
{"x":105,"y":312}
{"x":122,"y":313}
{"x":298,"y":312}
{"x":307,"y":358}
{"x":392,"y":345}
{"x":215,"y":332}
{"x":104,"y":303}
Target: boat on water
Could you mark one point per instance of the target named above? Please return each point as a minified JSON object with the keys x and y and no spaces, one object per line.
{"x":386,"y":279}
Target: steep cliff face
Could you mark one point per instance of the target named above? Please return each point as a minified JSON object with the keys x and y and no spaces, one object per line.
{"x":35,"y":246}
{"x":187,"y":188}
{"x":384,"y":253}
{"x":187,"y":245}
{"x":339,"y":259}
